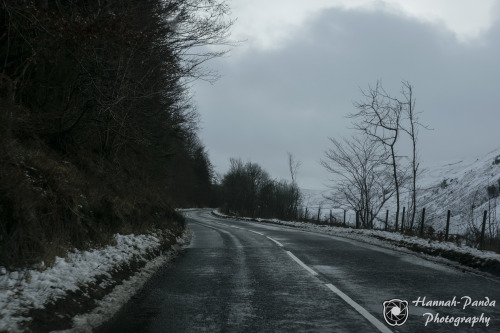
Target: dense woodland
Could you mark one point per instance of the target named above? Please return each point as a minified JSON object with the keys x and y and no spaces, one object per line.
{"x":248,"y":190}
{"x":98,"y":133}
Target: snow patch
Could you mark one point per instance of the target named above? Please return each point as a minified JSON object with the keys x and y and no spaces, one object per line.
{"x":21,"y":291}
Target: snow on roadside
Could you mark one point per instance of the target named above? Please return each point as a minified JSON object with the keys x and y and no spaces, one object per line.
{"x":380,"y":237}
{"x":21,"y":291}
{"x":120,"y":295}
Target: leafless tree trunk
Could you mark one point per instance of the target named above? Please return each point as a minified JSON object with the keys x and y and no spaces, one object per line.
{"x":379,"y":117}
{"x":411,"y":128}
{"x":294,"y":165}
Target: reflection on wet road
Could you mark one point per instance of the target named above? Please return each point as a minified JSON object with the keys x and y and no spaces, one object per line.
{"x":239,"y":276}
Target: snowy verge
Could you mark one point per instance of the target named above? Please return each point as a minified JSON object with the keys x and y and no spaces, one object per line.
{"x":484,"y":261}
{"x":99,"y":281}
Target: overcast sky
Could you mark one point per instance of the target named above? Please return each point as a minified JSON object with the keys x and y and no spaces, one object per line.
{"x":291,"y":83}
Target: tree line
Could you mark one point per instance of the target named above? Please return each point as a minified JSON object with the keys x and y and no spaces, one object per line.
{"x":97,"y":125}
{"x":248,"y":190}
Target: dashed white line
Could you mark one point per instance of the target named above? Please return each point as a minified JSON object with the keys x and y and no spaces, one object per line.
{"x":274,"y":240}
{"x":307,"y":268}
{"x":381,"y":327}
{"x":256,"y":232}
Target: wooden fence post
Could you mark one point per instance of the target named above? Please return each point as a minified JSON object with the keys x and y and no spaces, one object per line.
{"x":447,"y":225}
{"x":396,"y":225}
{"x":422,"y":223}
{"x":481,"y":240}
{"x":344,"y":218}
{"x":357,"y":220}
{"x":386,"y":218}
{"x":319,"y":212}
{"x":403,"y":220}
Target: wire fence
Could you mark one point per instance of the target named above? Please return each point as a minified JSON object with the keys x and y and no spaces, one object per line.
{"x":483,"y":233}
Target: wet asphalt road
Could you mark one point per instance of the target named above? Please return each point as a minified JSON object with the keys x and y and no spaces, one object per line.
{"x":240,"y":276}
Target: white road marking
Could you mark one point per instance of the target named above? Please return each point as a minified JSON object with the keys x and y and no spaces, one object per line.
{"x":274,"y":240}
{"x":307,"y":268}
{"x":375,"y":322}
{"x":381,"y":327}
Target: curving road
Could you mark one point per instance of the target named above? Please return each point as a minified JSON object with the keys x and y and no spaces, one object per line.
{"x":238,"y":276}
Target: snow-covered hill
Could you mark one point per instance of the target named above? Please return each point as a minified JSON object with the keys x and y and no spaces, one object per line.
{"x":466,"y":188}
{"x":459,"y":186}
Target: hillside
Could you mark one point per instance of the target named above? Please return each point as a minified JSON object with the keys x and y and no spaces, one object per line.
{"x":462,"y":188}
{"x":98,"y":132}
{"x":466,"y":187}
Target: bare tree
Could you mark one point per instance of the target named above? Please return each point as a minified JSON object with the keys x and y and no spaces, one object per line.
{"x":379,"y":117}
{"x":411,"y":128}
{"x":362,"y":179}
{"x":294,"y":165}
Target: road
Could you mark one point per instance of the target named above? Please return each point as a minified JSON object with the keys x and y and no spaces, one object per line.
{"x":239,"y":276}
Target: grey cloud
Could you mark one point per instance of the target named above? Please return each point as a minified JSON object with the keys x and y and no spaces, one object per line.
{"x":293,"y":98}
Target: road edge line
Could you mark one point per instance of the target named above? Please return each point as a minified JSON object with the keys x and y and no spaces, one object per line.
{"x":378,"y":324}
{"x":274,"y":240}
{"x":307,"y":268}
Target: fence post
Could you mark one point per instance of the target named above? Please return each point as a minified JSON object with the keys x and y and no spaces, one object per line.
{"x":344,"y":217}
{"x":331,"y":216}
{"x":422,"y":223}
{"x":403,"y":220}
{"x":386,"y":218}
{"x":357,"y":220}
{"x":447,"y":225}
{"x":319,"y":212}
{"x":481,"y":240}
{"x":396,"y":226}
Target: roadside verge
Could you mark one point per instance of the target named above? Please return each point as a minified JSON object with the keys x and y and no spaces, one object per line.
{"x":82,"y":290}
